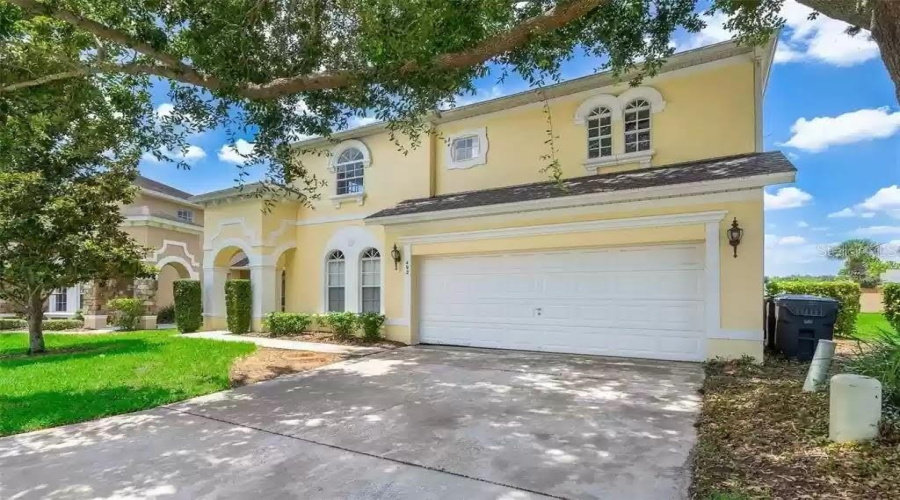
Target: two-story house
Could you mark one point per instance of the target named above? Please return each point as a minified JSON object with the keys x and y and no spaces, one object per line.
{"x":162,"y":219}
{"x":464,"y":241}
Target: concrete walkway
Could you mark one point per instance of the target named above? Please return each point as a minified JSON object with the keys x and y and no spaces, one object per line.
{"x":293,"y":345}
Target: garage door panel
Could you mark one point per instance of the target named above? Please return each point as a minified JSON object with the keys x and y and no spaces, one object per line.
{"x":643,"y":302}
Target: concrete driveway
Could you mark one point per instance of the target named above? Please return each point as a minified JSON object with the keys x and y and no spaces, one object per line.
{"x":417,"y":422}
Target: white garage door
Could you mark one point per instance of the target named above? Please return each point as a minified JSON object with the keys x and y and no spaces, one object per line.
{"x":642,"y":302}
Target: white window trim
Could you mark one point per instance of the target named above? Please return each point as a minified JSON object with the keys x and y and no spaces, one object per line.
{"x":352,"y":240}
{"x":338,"y":199}
{"x":189,"y":214}
{"x":642,"y":157}
{"x":72,"y":295}
{"x":325,"y":275}
{"x":616,"y":105}
{"x":481,"y":159}
{"x":380,"y":281}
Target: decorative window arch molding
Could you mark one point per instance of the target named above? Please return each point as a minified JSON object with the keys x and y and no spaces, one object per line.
{"x":171,"y":259}
{"x":345,"y":145}
{"x":610,"y":102}
{"x":616,"y":104}
{"x":649,"y":94}
{"x":352,"y":241}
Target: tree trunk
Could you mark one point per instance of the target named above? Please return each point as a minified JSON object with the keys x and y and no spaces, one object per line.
{"x":886,"y":33}
{"x":35,"y":328}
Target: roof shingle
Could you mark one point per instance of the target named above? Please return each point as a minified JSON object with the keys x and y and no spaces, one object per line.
{"x":159,"y":187}
{"x":730,"y":167}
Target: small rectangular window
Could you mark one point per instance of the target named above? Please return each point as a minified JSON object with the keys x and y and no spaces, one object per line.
{"x":59,"y":300}
{"x":186,"y":215}
{"x":465,"y":148}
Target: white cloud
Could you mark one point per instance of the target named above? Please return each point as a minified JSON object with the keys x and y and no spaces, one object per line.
{"x":876,"y":231}
{"x":886,"y":199}
{"x":802,"y":224}
{"x":236,"y":154}
{"x":164,"y":110}
{"x":714,"y":32}
{"x":787,"y":197}
{"x":821,"y":40}
{"x":842,"y":214}
{"x":190,"y":155}
{"x":361,"y":121}
{"x":822,"y":132}
{"x":791,"y":240}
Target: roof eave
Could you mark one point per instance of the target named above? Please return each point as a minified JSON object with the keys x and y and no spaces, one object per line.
{"x":603,"y":198}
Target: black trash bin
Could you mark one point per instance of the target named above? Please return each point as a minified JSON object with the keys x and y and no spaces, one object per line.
{"x":801,"y":321}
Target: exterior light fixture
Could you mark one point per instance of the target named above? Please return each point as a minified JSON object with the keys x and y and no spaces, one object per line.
{"x":395,"y":254}
{"x":735,"y":233}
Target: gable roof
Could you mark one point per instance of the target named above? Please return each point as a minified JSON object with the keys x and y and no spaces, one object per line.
{"x":749,"y":165}
{"x":159,"y":187}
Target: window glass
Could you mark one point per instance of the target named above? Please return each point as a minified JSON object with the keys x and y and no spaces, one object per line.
{"x":349,"y":171}
{"x":335,"y":266}
{"x":637,"y":126}
{"x":370,"y":281}
{"x":599,"y":133}
{"x":465,"y":148}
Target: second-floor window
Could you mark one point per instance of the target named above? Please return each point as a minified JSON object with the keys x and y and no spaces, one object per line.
{"x":349,"y":171}
{"x":465,"y":148}
{"x":599,"y":127}
{"x":637,"y":126}
{"x":186,"y":215}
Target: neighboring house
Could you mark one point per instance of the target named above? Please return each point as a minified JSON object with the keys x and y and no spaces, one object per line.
{"x":627,"y":256}
{"x":164,"y":220}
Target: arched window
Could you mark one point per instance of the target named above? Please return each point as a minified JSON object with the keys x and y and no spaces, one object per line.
{"x":349,"y":171}
{"x":599,"y":127}
{"x":637,"y":126}
{"x":334,"y":274}
{"x":370,"y":281}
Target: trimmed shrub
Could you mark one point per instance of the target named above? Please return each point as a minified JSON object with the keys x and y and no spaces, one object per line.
{"x":13,"y":324}
{"x":126,"y":313}
{"x":54,"y":325}
{"x":165,"y":315}
{"x":846,"y":292}
{"x":342,"y":324}
{"x":283,"y":323}
{"x":891,"y":297}
{"x":238,"y":305}
{"x":371,"y":324}
{"x":188,"y":308}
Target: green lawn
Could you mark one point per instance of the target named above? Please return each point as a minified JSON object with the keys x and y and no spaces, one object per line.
{"x":84,"y":377}
{"x":870,"y":325}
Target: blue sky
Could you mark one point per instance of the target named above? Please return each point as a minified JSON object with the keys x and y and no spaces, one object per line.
{"x":830,"y":106}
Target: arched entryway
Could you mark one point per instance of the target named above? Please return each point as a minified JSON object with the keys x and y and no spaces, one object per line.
{"x":170,"y":269}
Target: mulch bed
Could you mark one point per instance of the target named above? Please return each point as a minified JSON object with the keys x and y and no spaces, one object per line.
{"x":266,"y":364}
{"x":328,"y":338}
{"x":760,"y":436}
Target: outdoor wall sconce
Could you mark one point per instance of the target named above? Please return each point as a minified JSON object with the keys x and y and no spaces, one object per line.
{"x":735,"y":233}
{"x":395,"y":254}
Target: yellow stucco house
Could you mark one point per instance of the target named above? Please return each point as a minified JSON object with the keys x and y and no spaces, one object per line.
{"x":464,"y":241}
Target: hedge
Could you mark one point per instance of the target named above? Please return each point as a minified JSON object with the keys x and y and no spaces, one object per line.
{"x":342,"y":324}
{"x":126,"y":313}
{"x":238,"y":305}
{"x":283,"y":323}
{"x":891,"y":297}
{"x":371,"y":324}
{"x":846,"y":292}
{"x":16,"y":324}
{"x":188,"y":308}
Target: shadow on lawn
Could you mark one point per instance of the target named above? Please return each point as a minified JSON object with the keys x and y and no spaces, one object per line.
{"x":53,"y":408}
{"x":78,"y":351}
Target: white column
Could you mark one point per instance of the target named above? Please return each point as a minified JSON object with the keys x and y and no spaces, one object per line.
{"x":214,"y":291}
{"x":713,"y":270}
{"x":265,"y":288}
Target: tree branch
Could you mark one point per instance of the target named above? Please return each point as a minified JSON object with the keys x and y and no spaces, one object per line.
{"x":82,"y":70}
{"x":565,"y":12}
{"x":854,"y":12}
